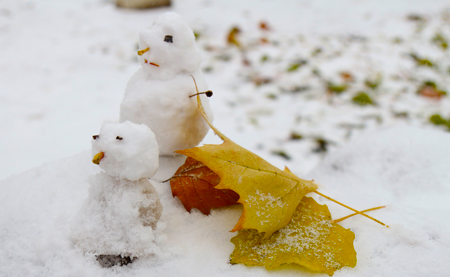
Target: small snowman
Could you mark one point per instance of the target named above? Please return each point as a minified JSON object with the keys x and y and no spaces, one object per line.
{"x":117,"y":221}
{"x":158,"y":94}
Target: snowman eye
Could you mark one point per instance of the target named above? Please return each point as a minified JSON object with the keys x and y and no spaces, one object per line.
{"x":95,"y":137}
{"x":168,"y":39}
{"x":119,"y":138}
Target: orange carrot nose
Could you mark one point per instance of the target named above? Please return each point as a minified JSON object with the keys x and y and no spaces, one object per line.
{"x":141,"y":52}
{"x":98,"y":158}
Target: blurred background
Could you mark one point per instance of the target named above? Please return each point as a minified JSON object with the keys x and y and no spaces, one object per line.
{"x":293,"y":80}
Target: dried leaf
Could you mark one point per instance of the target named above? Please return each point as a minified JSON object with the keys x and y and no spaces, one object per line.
{"x":296,"y":136}
{"x":295,"y":66}
{"x":438,"y":120}
{"x":194,"y":183}
{"x":416,"y":17}
{"x":347,"y":77}
{"x":269,"y":196}
{"x":316,"y":51}
{"x":310,"y":240}
{"x":440,"y":41}
{"x":421,"y":61}
{"x":264,"y":26}
{"x":335,"y":88}
{"x":362,"y":99}
{"x":282,"y":154}
{"x":429,"y":89}
{"x":321,"y":145}
{"x":263,"y":40}
{"x":260,"y":80}
{"x":264,"y":58}
{"x":232,"y":36}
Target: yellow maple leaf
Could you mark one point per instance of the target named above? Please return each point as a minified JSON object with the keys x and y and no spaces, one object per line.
{"x":269,"y":196}
{"x":311,"y":240}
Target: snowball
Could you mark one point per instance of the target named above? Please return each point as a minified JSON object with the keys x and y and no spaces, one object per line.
{"x":117,"y":217}
{"x":171,"y":46}
{"x":130,"y":150}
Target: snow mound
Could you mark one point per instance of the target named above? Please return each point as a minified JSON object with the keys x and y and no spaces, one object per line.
{"x":397,"y":164}
{"x":399,"y":167}
{"x":118,"y":217}
{"x":405,"y":169}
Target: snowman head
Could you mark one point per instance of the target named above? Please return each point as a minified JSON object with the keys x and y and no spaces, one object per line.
{"x":168,"y":48}
{"x":126,"y":150}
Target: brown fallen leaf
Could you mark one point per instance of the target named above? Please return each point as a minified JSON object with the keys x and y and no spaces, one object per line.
{"x":194,"y":183}
{"x":311,"y":240}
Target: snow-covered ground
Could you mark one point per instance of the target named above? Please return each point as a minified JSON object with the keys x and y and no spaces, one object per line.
{"x":63,"y":71}
{"x":386,"y":167}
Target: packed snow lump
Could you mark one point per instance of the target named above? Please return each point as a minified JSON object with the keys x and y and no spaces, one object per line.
{"x":122,"y":206}
{"x":158,"y":93}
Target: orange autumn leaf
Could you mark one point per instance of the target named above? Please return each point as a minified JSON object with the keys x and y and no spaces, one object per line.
{"x":269,"y":195}
{"x":194,"y":183}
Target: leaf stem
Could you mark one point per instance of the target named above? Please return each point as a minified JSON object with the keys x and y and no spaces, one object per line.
{"x":203,"y":113}
{"x":348,"y":216}
{"x":168,"y":179}
{"x":356,"y":211}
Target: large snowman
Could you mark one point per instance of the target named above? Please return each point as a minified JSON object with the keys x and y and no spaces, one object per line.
{"x":117,"y":221}
{"x":158,"y":93}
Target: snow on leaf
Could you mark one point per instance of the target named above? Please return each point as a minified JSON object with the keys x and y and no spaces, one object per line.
{"x":269,"y":196}
{"x":193,"y":184}
{"x":310,"y":240}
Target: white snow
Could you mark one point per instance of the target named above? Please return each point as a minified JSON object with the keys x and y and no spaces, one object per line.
{"x":64,"y":68}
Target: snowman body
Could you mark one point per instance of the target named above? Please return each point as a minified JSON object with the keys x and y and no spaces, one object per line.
{"x":158,"y":93}
{"x":118,"y":217}
{"x":172,"y":114}
{"x":120,"y":214}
